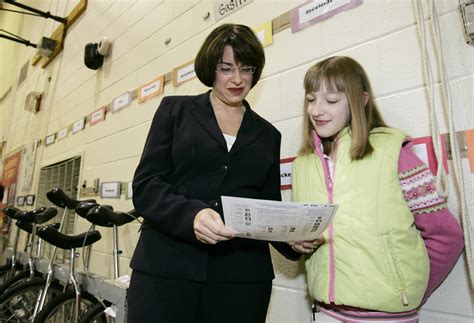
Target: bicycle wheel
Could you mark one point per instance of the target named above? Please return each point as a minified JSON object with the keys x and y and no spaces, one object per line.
{"x":6,"y":272}
{"x":61,"y":308}
{"x":96,"y":314}
{"x":18,"y":278}
{"x":18,"y":303}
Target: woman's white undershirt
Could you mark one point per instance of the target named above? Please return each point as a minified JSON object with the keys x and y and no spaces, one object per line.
{"x":229,"y":140}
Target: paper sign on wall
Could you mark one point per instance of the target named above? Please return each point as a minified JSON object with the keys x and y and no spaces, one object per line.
{"x":129,"y":191}
{"x":264,"y":33}
{"x":183,"y":73}
{"x":285,"y":173}
{"x":224,"y":8}
{"x":78,"y":125}
{"x":110,"y":189}
{"x":314,"y":11}
{"x":50,"y":139}
{"x":469,"y":139}
{"x":423,"y":148}
{"x":28,"y":157}
{"x":97,"y":116}
{"x":121,"y":102}
{"x":63,"y":133}
{"x":151,"y":89}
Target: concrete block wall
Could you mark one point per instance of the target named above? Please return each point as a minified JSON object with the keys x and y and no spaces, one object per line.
{"x":382,"y":35}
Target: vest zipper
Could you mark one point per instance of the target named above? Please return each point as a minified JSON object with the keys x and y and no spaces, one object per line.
{"x":398,"y":272}
{"x":330,"y":189}
{"x":404,"y":297}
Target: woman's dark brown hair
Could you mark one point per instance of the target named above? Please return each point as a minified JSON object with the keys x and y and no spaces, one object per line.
{"x":247,"y":50}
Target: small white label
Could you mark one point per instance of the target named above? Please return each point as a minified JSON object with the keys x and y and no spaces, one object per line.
{"x":78,"y":125}
{"x":62,"y":133}
{"x":121,"y":102}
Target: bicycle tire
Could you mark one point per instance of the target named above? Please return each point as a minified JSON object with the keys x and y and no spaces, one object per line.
{"x":16,"y":279}
{"x":96,"y":314}
{"x":18,"y":303}
{"x":61,"y":308}
{"x":6,"y":271}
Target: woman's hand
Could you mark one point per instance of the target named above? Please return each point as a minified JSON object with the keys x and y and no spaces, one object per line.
{"x":307,"y":246}
{"x":209,"y":227}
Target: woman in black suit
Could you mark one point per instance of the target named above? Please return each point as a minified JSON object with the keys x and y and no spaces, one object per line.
{"x":187,"y":265}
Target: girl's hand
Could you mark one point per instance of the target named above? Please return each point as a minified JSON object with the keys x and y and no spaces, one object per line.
{"x":307,"y":246}
{"x":209,"y":227}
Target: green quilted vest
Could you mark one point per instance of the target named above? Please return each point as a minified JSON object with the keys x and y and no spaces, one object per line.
{"x":380,"y":258}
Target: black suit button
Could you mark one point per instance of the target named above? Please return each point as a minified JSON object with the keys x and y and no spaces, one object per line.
{"x":213,"y":203}
{"x":223,"y":169}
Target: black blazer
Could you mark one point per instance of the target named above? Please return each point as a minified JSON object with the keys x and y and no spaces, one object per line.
{"x":185,"y":167}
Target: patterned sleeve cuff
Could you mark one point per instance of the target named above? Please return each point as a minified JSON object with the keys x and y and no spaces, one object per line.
{"x":418,"y":184}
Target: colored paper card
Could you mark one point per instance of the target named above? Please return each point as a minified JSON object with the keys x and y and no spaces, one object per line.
{"x":97,"y":116}
{"x":151,"y":89}
{"x":264,"y":33}
{"x":423,"y":148}
{"x":314,"y":11}
{"x":224,"y":8}
{"x":63,"y":133}
{"x":78,"y":125}
{"x":129,"y":191}
{"x":49,"y":140}
{"x":285,"y":173}
{"x":121,"y":102}
{"x":183,"y":73}
{"x":469,"y":139}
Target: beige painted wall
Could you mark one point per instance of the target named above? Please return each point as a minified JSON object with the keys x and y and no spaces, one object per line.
{"x":382,"y":35}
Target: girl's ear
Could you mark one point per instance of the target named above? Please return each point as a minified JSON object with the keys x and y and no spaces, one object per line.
{"x":366,"y":98}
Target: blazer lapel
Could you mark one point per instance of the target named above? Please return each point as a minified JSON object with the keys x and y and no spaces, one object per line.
{"x":250,"y":129}
{"x":204,"y":114}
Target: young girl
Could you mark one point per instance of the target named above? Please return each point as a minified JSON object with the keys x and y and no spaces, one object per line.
{"x":393,"y":240}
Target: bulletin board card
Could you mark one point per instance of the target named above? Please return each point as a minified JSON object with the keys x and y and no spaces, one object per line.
{"x":314,"y":11}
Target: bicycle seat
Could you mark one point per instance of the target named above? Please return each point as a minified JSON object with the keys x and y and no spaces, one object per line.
{"x":27,"y":216}
{"x":84,"y":207}
{"x":64,"y":241}
{"x":25,"y":226}
{"x":106,"y":217}
{"x":10,"y":211}
{"x":28,"y":227}
{"x":41,"y":216}
{"x":60,"y":199}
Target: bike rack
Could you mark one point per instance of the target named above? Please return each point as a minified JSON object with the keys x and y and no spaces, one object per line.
{"x":113,"y":291}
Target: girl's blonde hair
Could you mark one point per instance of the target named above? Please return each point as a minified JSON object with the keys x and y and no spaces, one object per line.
{"x":344,"y":74}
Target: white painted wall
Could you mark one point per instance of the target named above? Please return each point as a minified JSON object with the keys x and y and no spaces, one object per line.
{"x":382,"y":35}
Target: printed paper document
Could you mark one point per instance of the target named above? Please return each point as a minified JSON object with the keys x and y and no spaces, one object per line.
{"x":276,"y":221}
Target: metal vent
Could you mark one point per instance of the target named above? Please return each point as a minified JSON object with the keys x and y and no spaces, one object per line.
{"x":33,"y":101}
{"x":64,"y":175}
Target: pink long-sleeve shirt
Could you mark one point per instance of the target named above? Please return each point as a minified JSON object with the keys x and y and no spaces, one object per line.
{"x":441,"y":232}
{"x":439,"y":229}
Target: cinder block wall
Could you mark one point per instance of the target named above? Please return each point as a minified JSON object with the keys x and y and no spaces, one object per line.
{"x":382,"y":35}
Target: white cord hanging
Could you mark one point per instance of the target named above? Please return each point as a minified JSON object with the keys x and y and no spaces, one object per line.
{"x":442,"y":184}
{"x":446,"y":104}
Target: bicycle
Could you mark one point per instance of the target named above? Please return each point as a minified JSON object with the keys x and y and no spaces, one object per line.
{"x":68,"y":306}
{"x":20,"y":291}
{"x":12,"y":264}
{"x":28,"y":220}
{"x":26,"y":299}
{"x":105,"y":216}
